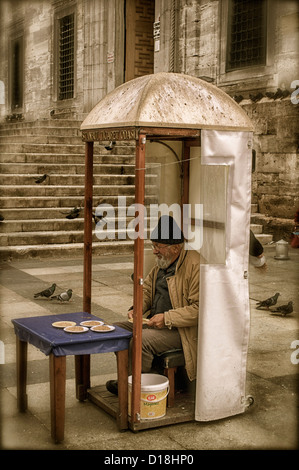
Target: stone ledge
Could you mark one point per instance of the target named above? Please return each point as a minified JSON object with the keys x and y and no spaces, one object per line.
{"x":64,"y":250}
{"x":279,"y":228}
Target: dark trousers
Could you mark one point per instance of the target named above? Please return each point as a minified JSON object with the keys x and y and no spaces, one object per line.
{"x":154,"y":341}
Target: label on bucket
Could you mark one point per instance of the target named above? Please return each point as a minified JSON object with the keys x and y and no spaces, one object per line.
{"x":151,"y":397}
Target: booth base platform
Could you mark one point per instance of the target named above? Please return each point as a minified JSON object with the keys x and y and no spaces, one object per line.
{"x":181,"y":412}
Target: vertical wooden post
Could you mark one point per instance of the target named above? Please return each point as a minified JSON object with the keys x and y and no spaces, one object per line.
{"x":88,"y":227}
{"x":82,"y":364}
{"x":138,"y":278}
{"x":21,"y":374}
{"x":57,"y":396}
{"x":82,"y":373}
{"x":122,"y":374}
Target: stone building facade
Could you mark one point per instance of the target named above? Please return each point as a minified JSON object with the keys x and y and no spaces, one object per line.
{"x":60,"y":57}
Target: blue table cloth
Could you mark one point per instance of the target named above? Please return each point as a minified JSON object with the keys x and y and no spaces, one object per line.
{"x":39,"y":332}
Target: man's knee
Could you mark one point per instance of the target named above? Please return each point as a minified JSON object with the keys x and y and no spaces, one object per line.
{"x":124,"y":324}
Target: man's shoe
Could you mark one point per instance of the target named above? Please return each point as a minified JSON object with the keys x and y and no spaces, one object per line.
{"x":112,"y":386}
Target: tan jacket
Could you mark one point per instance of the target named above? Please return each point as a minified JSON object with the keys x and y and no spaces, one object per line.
{"x":183,"y":290}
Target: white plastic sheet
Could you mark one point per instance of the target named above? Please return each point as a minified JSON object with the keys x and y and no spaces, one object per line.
{"x":224,"y":316}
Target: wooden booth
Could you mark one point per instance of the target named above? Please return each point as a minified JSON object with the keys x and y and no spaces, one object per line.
{"x":194,"y":150}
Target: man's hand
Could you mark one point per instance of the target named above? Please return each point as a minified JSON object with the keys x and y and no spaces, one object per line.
{"x":157,"y":321}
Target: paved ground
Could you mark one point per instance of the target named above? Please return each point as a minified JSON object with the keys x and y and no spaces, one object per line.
{"x":272,"y":373}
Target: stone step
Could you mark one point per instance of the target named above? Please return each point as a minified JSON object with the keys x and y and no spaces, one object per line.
{"x":74,"y":139}
{"x":44,"y":148}
{"x":38,"y":202}
{"x":41,"y":225}
{"x":69,"y":148}
{"x":254,"y":208}
{"x":59,"y":213}
{"x":26,"y":213}
{"x":65,"y":168}
{"x":28,"y":132}
{"x":41,"y":191}
{"x":64,"y":158}
{"x":62,"y":236}
{"x":264,"y":238}
{"x":49,"y":123}
{"x":65,"y":250}
{"x":256,"y":229}
{"x":63,"y":224}
{"x":70,"y":180}
{"x":66,"y":201}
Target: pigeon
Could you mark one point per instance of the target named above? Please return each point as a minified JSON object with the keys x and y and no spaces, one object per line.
{"x":97,"y":218}
{"x":285,"y":93}
{"x":278,"y":94}
{"x":238,"y":98}
{"x":270,"y":94}
{"x":41,"y":179}
{"x":110,"y":146}
{"x":74,"y":213}
{"x":64,"y":296}
{"x":284,"y":310}
{"x":256,"y":98}
{"x":268,"y":302}
{"x":46,"y":293}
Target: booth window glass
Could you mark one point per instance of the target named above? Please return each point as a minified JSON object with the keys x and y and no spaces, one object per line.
{"x":207,"y":199}
{"x":163,"y":184}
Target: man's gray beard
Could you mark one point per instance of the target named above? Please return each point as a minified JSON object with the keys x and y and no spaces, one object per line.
{"x":163,"y":262}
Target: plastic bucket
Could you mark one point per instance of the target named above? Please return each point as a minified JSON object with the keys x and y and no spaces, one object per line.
{"x":154,"y":391}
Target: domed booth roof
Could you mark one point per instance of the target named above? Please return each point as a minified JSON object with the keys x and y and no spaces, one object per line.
{"x":168,"y":100}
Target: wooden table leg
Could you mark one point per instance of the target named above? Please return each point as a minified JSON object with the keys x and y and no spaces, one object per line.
{"x":21,"y":374}
{"x":82,"y":371}
{"x":57,"y":396}
{"x":122,"y":375}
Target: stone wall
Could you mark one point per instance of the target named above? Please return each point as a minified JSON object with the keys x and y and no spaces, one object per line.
{"x":275,"y":182}
{"x":99,"y":54}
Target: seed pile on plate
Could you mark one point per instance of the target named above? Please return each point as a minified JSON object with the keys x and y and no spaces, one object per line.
{"x":101,"y":328}
{"x":75,"y":329}
{"x":63,"y":324}
{"x":91,"y":323}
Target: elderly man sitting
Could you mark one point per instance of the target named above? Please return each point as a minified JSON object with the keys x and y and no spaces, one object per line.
{"x":170,"y":300}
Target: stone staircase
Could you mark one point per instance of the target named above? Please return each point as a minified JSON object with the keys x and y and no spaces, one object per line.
{"x":35,"y":223}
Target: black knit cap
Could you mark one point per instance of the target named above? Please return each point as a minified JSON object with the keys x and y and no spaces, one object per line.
{"x":167,"y":231}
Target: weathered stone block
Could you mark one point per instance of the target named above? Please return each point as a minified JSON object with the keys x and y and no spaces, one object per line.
{"x":271,"y":163}
{"x":279,"y":206}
